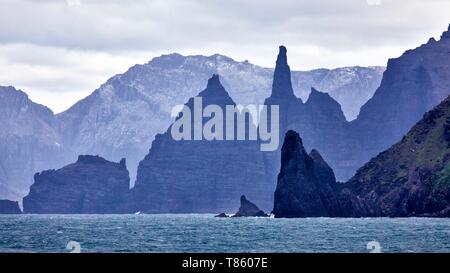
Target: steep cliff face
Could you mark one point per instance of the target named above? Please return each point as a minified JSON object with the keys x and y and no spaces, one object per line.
{"x":201,"y":175}
{"x":28,"y":142}
{"x":410,"y":178}
{"x":412,"y":84}
{"x":92,"y":185}
{"x":306,"y":184}
{"x":9,"y":207}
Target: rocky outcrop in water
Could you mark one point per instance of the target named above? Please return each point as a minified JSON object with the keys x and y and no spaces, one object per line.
{"x":221,"y":215}
{"x":412,"y":178}
{"x":92,"y":185}
{"x":306,"y":184}
{"x":9,"y":207}
{"x":248,"y":209}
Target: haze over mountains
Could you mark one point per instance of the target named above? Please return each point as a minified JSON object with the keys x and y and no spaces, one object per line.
{"x":204,"y":176}
{"x":121,"y":118}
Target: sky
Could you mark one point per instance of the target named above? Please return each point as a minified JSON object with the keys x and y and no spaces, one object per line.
{"x":59,"y":51}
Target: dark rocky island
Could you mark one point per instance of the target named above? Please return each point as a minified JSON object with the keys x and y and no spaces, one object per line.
{"x":92,"y":185}
{"x":222,"y":215}
{"x":306,"y":184}
{"x":9,"y":207}
{"x":248,"y":209}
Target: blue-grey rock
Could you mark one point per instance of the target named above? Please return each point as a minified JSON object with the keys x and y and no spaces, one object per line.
{"x":9,"y":207}
{"x":201,"y":175}
{"x":248,"y":209}
{"x":92,"y":185}
{"x":306,"y":185}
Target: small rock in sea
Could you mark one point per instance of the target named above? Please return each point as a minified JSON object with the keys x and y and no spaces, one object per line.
{"x":222,"y":215}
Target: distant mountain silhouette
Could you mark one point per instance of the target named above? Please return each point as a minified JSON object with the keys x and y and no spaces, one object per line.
{"x":201,"y":175}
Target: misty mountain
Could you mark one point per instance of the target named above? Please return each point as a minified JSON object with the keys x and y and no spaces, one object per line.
{"x":28,"y":141}
{"x":122,"y":117}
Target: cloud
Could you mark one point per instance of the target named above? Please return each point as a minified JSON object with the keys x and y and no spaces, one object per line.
{"x":68,"y":46}
{"x":58,"y":77}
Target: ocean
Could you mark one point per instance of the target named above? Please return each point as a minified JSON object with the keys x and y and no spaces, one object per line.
{"x":204,"y":233}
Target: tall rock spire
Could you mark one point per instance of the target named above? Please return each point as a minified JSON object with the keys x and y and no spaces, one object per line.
{"x":282,"y":86}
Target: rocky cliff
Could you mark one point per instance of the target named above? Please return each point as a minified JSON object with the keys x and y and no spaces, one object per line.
{"x":412,"y":178}
{"x":306,"y":185}
{"x":92,"y":185}
{"x":9,"y":207}
{"x":29,"y":142}
{"x":412,"y":84}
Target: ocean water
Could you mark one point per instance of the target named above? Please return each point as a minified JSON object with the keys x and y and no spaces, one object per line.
{"x":204,"y":233}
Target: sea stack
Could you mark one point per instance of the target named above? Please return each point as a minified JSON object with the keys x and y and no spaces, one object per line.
{"x":306,"y":184}
{"x":92,"y":185}
{"x":248,"y":209}
{"x":9,"y":207}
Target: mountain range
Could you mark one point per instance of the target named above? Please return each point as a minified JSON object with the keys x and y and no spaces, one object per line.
{"x":206,"y":175}
{"x":121,"y":118}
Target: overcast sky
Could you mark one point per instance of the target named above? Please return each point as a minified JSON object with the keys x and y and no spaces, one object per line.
{"x":59,"y":51}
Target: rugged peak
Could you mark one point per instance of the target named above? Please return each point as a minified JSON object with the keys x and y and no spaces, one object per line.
{"x":214,"y":82}
{"x":282,"y":85}
{"x":323,"y":103}
{"x":292,"y":140}
{"x":305,"y":183}
{"x":318,"y":94}
{"x":282,"y":56}
{"x":431,"y":40}
{"x":318,"y":97}
{"x":215,"y":93}
{"x":446,"y":34}
{"x":243,"y":198}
